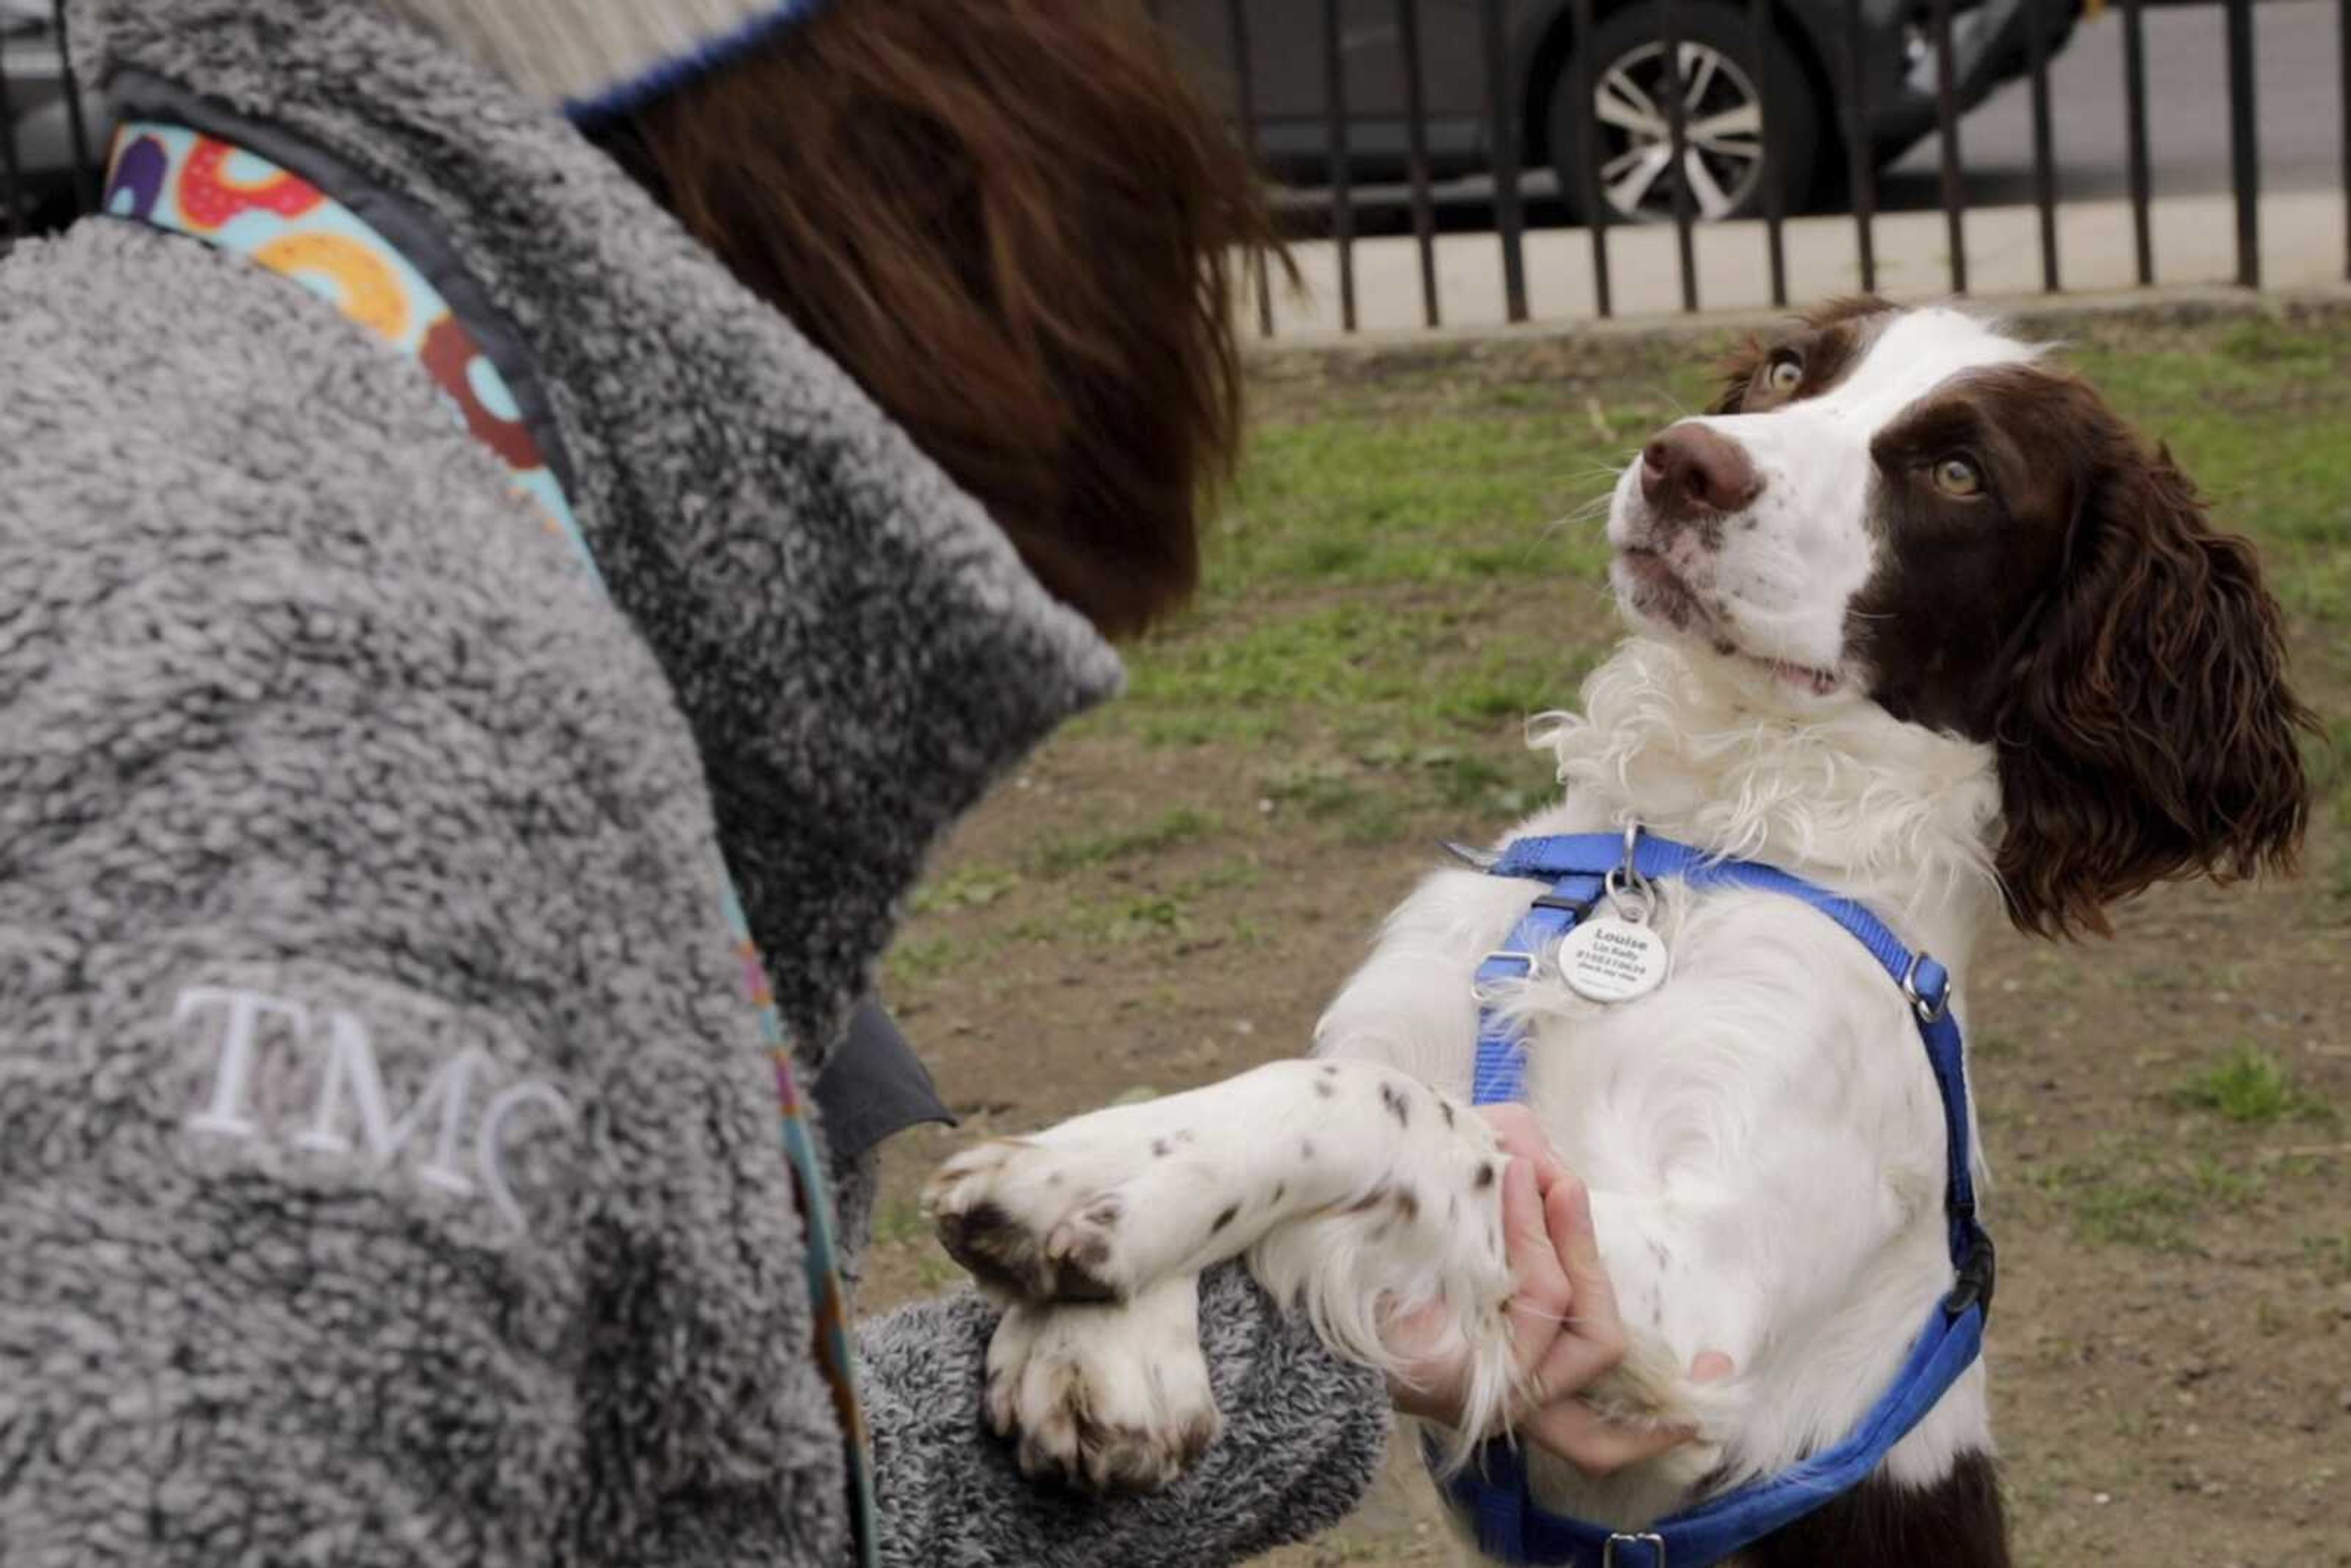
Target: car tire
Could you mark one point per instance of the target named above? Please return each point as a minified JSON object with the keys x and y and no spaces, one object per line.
{"x":1721,"y":76}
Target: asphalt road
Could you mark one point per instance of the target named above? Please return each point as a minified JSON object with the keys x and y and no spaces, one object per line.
{"x":2298,"y":91}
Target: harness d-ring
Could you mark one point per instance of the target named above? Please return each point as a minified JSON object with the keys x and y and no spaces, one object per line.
{"x":1626,"y":882}
{"x":1655,"y":1544}
{"x":1930,"y":1010}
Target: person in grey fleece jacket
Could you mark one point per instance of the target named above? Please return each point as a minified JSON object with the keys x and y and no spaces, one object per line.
{"x":389,"y":1162}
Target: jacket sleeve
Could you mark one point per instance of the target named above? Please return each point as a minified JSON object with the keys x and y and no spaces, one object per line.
{"x":1304,"y":1434}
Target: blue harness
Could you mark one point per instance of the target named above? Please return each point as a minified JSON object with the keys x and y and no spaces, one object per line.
{"x":1583,"y":869}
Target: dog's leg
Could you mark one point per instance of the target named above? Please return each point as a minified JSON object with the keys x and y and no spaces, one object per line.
{"x":1357,"y":1192}
{"x":1106,"y":1205}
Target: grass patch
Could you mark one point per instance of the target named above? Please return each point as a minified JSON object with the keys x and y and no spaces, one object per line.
{"x":2118,"y":1210}
{"x":2224,"y":1184}
{"x":1122,"y":921}
{"x":1420,"y":499}
{"x":2249,"y":1086}
{"x":915,"y":960}
{"x":2330,"y":1255}
{"x":965,"y":887}
{"x":1182,"y":825}
{"x":2258,"y":424}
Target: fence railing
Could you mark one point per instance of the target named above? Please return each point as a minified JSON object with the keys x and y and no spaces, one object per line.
{"x":1464,"y":89}
{"x":1847,"y":81}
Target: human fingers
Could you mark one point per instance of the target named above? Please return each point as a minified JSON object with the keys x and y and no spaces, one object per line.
{"x":1593,"y":1444}
{"x":1592,"y":1338}
{"x":1521,"y":1137}
{"x":1540,"y":1293}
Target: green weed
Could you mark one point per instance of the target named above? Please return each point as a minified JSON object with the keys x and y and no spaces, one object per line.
{"x":2133,"y":1213}
{"x":2250,"y":1086}
{"x":1182,"y":825}
{"x":965,"y":887}
{"x":914,"y":961}
{"x":2330,"y":1255}
{"x":2126,"y":1207}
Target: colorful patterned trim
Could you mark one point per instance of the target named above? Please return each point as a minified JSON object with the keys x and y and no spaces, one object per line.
{"x":178,"y":179}
{"x":174,"y":178}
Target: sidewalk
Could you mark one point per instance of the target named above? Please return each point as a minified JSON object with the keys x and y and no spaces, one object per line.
{"x":2195,"y":242}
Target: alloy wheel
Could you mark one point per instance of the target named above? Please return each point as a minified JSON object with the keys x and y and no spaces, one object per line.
{"x":1722,"y":134}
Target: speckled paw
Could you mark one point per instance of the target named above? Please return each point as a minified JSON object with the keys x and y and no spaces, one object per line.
{"x":1107,"y":1398}
{"x":1034,"y":1222}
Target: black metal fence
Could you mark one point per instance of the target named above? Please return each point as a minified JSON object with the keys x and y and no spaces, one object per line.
{"x":51,"y":129}
{"x":48,"y":152}
{"x":1841,"y":75}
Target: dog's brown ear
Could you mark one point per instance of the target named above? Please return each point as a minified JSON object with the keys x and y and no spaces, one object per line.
{"x":2148,"y":732}
{"x":1738,"y":373}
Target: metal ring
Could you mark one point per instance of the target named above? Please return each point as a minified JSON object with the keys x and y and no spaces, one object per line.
{"x":1655,"y":1543}
{"x":1928,"y":1012}
{"x":1622,"y":883}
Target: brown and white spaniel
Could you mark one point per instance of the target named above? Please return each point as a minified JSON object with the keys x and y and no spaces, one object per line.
{"x":1916,"y":618}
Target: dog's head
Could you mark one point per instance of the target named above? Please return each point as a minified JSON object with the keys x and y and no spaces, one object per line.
{"x":1909,"y":507}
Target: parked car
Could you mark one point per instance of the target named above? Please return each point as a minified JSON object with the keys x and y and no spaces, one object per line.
{"x":1722,"y":73}
{"x":37,"y":124}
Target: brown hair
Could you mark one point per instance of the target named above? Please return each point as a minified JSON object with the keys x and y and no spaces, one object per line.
{"x":2147,"y":731}
{"x":1015,"y":223}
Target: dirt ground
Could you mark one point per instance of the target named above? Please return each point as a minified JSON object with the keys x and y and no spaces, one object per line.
{"x":2165,"y":1112}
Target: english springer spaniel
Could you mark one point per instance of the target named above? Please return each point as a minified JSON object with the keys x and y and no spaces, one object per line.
{"x":1916,"y":619}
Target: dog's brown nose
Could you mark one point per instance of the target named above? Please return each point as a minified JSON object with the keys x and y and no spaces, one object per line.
{"x":1691,"y":469}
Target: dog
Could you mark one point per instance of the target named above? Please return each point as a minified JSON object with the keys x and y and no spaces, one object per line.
{"x":1916,"y":618}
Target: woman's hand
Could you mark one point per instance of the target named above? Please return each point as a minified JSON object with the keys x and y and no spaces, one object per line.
{"x":1565,"y":1326}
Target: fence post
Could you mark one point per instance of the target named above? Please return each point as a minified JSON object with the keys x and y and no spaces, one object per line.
{"x":2244,"y":144}
{"x":1580,"y":83}
{"x":1245,"y":100}
{"x":1424,"y":225}
{"x":2135,"y":125}
{"x":1759,"y":26}
{"x":12,"y":173}
{"x":87,"y":175}
{"x":1677,"y":148}
{"x":1503,"y":125}
{"x":1947,"y":132}
{"x":1342,"y":205}
{"x":1862,"y":161}
{"x":2044,"y":163}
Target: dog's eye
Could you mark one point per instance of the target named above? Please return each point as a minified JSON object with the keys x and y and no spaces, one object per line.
{"x":1958,"y":476}
{"x":1785,"y":373}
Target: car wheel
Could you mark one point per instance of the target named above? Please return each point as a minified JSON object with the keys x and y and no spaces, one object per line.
{"x":1721,"y":77}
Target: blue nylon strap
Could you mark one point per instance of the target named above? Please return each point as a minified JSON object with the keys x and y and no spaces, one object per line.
{"x":1501,"y":1068}
{"x":1597,"y":854}
{"x":1495,"y":1492}
{"x":1511,"y":1526}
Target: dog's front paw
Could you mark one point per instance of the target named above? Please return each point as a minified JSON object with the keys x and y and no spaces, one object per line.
{"x":1033,"y":1221}
{"x":1108,"y":1398}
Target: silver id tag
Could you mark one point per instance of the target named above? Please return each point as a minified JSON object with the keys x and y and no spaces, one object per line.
{"x":1612,"y":959}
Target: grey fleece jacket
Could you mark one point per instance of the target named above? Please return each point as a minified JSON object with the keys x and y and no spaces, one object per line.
{"x":388,"y":1168}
